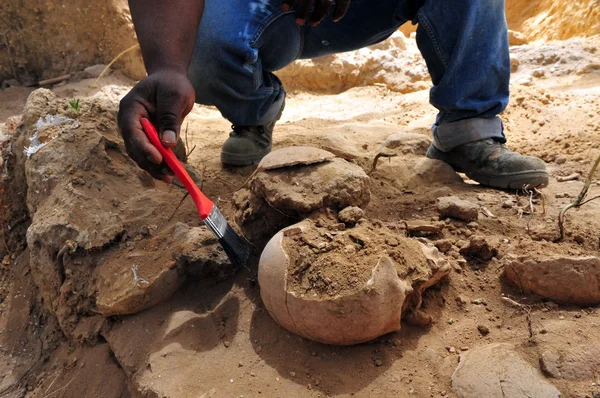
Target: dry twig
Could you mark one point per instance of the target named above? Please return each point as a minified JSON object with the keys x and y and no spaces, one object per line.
{"x":524,"y":308}
{"x":577,"y":202}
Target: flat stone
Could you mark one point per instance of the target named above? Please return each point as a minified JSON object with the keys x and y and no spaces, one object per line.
{"x":424,"y":228}
{"x":92,"y":72}
{"x":292,"y":156}
{"x":572,"y":280}
{"x":579,"y":362}
{"x":549,"y":360}
{"x":497,"y":371}
{"x":454,"y":207}
{"x":413,"y":142}
{"x":342,"y":147}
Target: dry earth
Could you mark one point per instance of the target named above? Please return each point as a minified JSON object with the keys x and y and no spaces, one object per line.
{"x":78,"y":216}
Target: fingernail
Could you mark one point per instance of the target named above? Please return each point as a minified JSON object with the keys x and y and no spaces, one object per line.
{"x":299,"y":21}
{"x":169,"y":137}
{"x":285,"y":7}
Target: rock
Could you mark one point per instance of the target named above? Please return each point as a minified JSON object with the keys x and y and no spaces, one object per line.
{"x":497,"y":371}
{"x":335,"y":184}
{"x":572,"y":280}
{"x":293,"y":156}
{"x":516,"y":38}
{"x":414,"y":143}
{"x":92,"y":72}
{"x":422,"y":228}
{"x":417,"y":318}
{"x":342,"y":147}
{"x":479,"y":248}
{"x":454,"y":207}
{"x":514,"y":64}
{"x":279,"y":197}
{"x":159,"y":271}
{"x":539,"y":73}
{"x":549,"y":363}
{"x":484,"y":330}
{"x":443,"y":245}
{"x":508,"y":204}
{"x":579,"y":362}
{"x":350,"y":215}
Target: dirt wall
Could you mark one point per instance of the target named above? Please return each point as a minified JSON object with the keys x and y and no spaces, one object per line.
{"x":45,"y":39}
{"x":554,"y":19}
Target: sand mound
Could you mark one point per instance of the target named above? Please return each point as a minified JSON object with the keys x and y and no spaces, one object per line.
{"x":545,"y":19}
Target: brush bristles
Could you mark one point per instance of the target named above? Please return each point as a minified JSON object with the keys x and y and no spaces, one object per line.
{"x":235,"y":247}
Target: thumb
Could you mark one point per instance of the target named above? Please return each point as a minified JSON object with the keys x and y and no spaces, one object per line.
{"x":168,"y":127}
{"x":174,"y":100}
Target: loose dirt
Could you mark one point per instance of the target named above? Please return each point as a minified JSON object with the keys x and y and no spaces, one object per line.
{"x":330,"y":260}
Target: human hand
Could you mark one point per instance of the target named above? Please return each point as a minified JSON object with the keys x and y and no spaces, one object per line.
{"x":321,"y":10}
{"x":165,"y":97}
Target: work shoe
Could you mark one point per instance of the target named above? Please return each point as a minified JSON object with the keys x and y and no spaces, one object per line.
{"x":247,"y":145}
{"x":491,"y":163}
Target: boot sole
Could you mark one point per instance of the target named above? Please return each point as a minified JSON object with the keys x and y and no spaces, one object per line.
{"x":236,"y":159}
{"x":513,"y":181}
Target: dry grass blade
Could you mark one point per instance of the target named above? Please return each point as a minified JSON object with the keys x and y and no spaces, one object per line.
{"x":95,"y":84}
{"x":578,"y":202}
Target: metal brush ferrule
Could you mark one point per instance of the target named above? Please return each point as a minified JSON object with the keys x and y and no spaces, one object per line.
{"x":216,"y":222}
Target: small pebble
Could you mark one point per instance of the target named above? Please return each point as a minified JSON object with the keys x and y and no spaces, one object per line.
{"x":484,"y":330}
{"x":378,"y":362}
{"x":479,"y":301}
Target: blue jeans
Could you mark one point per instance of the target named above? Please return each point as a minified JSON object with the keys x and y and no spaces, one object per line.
{"x":464,"y":42}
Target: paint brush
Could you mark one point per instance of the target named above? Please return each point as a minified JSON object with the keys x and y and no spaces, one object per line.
{"x":235,"y":247}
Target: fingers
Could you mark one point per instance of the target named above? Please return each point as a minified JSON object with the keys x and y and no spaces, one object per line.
{"x":138,"y":146}
{"x":341,"y":8}
{"x":286,"y":5}
{"x":321,"y":10}
{"x":169,"y":113}
{"x":302,"y":10}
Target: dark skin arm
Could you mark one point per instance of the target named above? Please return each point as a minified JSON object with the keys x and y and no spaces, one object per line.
{"x":166,"y":31}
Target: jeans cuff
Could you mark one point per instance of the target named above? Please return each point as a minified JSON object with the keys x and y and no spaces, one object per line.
{"x":273,"y":110}
{"x":448,"y":136}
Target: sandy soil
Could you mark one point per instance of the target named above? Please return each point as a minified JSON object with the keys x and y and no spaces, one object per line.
{"x":213,"y":338}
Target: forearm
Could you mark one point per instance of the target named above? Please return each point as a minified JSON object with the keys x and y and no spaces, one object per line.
{"x":166,"y":31}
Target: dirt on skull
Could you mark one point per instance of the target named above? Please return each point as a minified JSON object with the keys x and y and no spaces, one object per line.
{"x":329,"y":260}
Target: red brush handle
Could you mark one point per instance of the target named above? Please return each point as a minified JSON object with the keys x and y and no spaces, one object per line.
{"x":203,"y":203}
